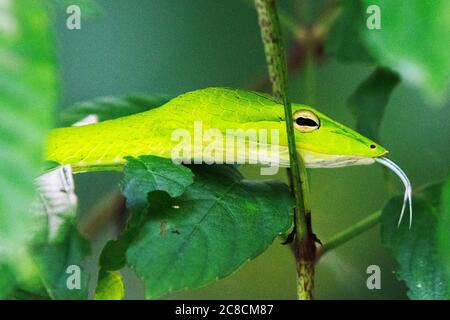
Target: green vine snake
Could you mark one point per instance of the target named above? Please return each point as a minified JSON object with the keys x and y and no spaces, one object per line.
{"x":321,"y":141}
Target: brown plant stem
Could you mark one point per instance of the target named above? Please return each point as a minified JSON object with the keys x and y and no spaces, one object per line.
{"x":304,"y":246}
{"x":110,"y":207}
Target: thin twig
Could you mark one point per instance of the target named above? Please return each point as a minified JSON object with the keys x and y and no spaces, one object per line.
{"x":275,"y":57}
{"x":111,"y":206}
{"x":350,"y":233}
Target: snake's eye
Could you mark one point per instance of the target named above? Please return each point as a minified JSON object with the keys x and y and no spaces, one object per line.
{"x":306,"y":121}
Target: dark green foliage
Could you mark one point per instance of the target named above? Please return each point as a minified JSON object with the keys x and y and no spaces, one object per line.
{"x":344,"y":40}
{"x":220,"y":222}
{"x":422,"y":265}
{"x":53,"y":260}
{"x":414,"y":42}
{"x":369,"y":101}
{"x":27,"y":97}
{"x":201,"y":231}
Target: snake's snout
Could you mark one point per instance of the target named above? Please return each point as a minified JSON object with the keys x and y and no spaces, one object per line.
{"x":376,"y":150}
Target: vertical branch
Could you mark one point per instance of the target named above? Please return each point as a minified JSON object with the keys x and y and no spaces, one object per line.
{"x":304,"y":246}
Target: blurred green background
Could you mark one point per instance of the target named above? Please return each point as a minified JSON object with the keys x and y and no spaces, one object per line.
{"x":174,"y":46}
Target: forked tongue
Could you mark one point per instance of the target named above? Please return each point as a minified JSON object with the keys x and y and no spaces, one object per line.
{"x":407,"y":198}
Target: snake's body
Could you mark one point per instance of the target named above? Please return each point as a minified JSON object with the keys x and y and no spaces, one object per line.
{"x":320,"y":140}
{"x":105,"y":145}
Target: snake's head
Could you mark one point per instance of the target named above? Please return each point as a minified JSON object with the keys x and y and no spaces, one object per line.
{"x":325,"y":143}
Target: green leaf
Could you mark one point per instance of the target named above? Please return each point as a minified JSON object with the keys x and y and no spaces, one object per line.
{"x":27,"y":96}
{"x":57,"y":245}
{"x":421,"y":263}
{"x":344,"y":40}
{"x":444,"y":229}
{"x":55,"y":264}
{"x":113,"y":256}
{"x":148,"y":173}
{"x":220,"y":222}
{"x":7,"y":282}
{"x":141,"y":176}
{"x":53,"y":260}
{"x":110,"y":286}
{"x":414,"y":40}
{"x":369,"y":101}
{"x":108,"y":108}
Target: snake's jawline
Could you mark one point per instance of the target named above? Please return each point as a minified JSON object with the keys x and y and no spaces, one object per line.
{"x":313,"y":160}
